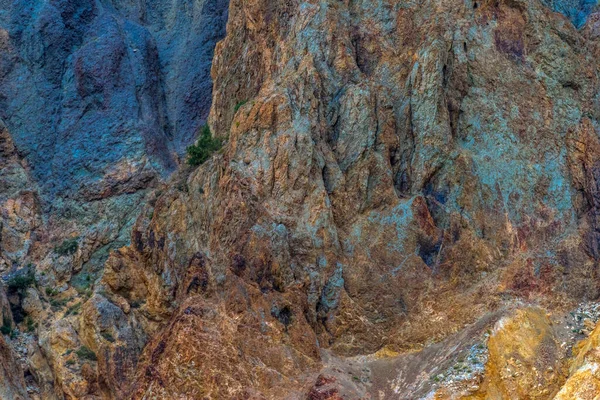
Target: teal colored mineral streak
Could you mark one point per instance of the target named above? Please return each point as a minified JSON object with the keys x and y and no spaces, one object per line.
{"x":508,"y":164}
{"x":576,"y":10}
{"x":398,"y":219}
{"x":330,"y":296}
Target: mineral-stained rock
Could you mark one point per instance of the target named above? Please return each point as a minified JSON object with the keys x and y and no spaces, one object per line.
{"x":393,"y":171}
{"x":237,"y":347}
{"x":100,"y":100}
{"x":12,"y":385}
{"x":96,"y":93}
{"x":524,"y":358}
{"x":577,"y":11}
{"x":19,"y":204}
{"x":396,"y":176}
{"x":584,"y":380}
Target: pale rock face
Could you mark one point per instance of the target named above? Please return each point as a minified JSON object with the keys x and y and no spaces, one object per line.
{"x":584,"y":379}
{"x":525,"y":357}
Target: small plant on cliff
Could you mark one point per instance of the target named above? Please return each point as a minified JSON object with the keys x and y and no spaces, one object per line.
{"x":6,"y":328}
{"x":239,"y":105}
{"x":67,"y":247}
{"x":107,"y":336}
{"x":58,"y":304}
{"x":30,"y":324}
{"x":21,"y":281}
{"x":84,"y":353}
{"x":73,"y":309}
{"x":204,"y":147}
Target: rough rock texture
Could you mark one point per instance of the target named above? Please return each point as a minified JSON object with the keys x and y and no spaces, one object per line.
{"x":100,"y":98}
{"x":394,"y":172}
{"x":577,"y":11}
{"x":398,"y":178}
{"x":524,"y":359}
{"x":97,"y":94}
{"x":584,"y":381}
{"x":20,"y":206}
{"x":12,"y":384}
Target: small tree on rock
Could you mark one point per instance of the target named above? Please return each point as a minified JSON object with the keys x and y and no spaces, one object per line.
{"x":205,"y":146}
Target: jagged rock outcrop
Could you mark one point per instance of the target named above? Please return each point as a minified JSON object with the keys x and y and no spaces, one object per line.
{"x":101,"y":98}
{"x":583,"y":382}
{"x":21,"y":214}
{"x":122,"y":82}
{"x":394,"y":171}
{"x":396,"y":176}
{"x":12,"y":384}
{"x":98,"y":100}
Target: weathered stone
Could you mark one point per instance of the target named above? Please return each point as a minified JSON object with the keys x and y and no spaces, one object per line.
{"x":524,"y":358}
{"x":584,"y":381}
{"x":12,"y":385}
{"x":399,"y":170}
{"x":395,"y":178}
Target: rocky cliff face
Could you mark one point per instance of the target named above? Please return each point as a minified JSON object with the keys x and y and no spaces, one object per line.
{"x":98,"y":100}
{"x":577,"y":11}
{"x":395,"y":172}
{"x":12,"y":384}
{"x":101,"y":98}
{"x":406,"y":207}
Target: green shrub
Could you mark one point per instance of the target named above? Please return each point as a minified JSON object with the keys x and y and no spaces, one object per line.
{"x":73,"y":309}
{"x":5,"y":329}
{"x":67,"y":248}
{"x":57,"y":304}
{"x":204,"y":148}
{"x":239,"y":105}
{"x":84,"y":353}
{"x":30,"y":324}
{"x":21,"y":281}
{"x":108,"y":337}
{"x":51,"y":291}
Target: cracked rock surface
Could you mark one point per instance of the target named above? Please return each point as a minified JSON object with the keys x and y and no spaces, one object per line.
{"x":405,"y":206}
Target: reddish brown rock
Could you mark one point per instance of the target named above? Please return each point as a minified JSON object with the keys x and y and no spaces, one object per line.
{"x":12,"y":384}
{"x":396,"y":176}
{"x":392,"y":173}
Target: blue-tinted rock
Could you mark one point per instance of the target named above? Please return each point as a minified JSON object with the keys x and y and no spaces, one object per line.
{"x":100,"y":99}
{"x":89,"y":86}
{"x":576,"y":10}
